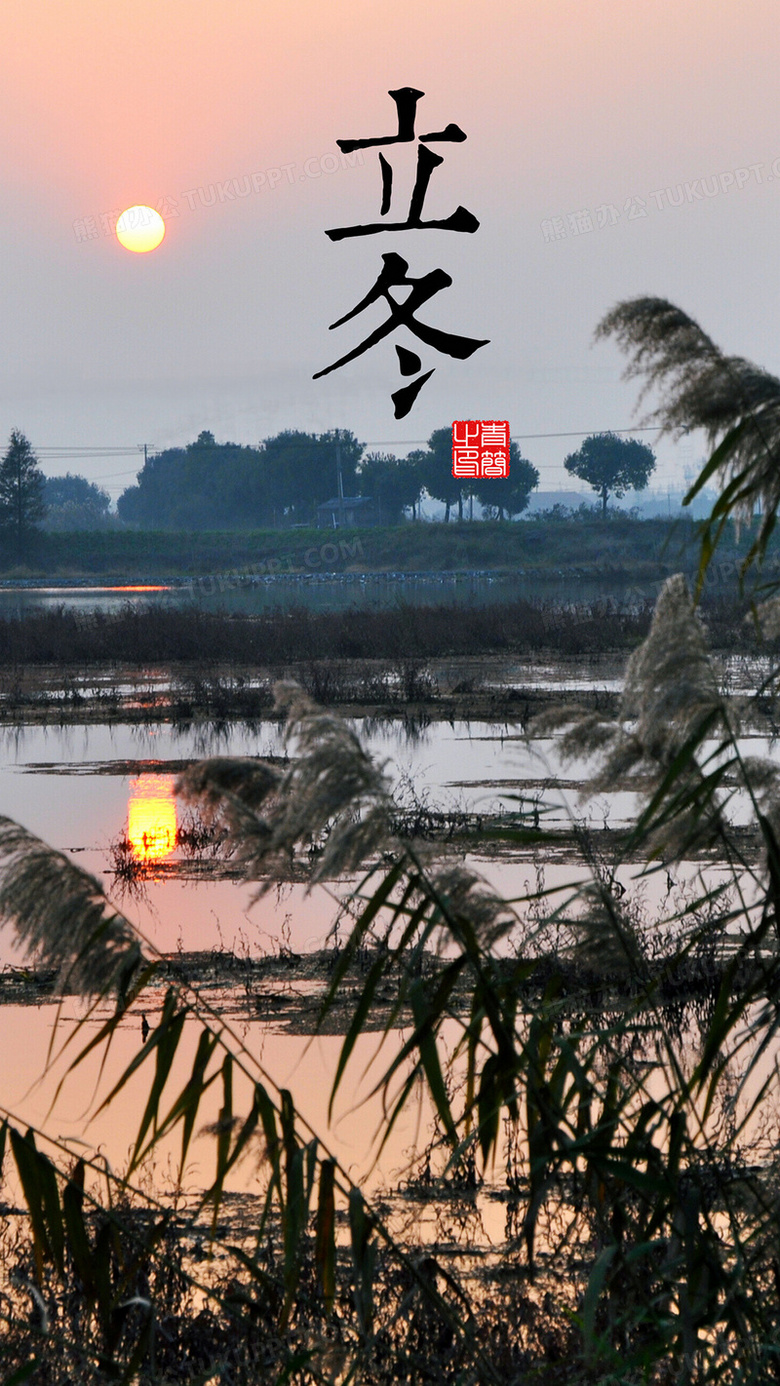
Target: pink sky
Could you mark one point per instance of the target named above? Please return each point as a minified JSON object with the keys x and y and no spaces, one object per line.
{"x":568,"y":105}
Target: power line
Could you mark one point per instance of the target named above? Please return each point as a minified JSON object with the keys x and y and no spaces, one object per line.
{"x":586,"y":433}
{"x":577,"y":433}
{"x":121,"y":450}
{"x":89,"y":452}
{"x":71,"y":454}
{"x":108,"y":476}
{"x":87,"y":447}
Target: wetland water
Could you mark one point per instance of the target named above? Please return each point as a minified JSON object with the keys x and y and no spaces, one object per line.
{"x":250,"y":594}
{"x":80,"y":788}
{"x":84,"y":788}
{"x":87,"y":787}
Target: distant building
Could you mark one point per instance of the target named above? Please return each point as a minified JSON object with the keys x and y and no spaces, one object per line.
{"x":657,"y":504}
{"x":351,"y":511}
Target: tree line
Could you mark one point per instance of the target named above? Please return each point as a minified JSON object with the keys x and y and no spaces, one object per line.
{"x":280,"y":483}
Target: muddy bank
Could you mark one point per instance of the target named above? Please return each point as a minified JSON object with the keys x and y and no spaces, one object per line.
{"x":285,"y":992}
{"x":497,"y":689}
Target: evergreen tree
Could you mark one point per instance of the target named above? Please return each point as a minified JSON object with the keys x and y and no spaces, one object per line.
{"x":303,"y":470}
{"x":612,"y":465}
{"x":205,"y":485}
{"x":499,"y":496}
{"x":502,"y":496}
{"x":22,"y":482}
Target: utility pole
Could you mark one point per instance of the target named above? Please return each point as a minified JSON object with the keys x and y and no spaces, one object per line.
{"x":340,"y":478}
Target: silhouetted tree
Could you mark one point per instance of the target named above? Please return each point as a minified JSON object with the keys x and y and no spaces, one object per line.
{"x":22,"y":505}
{"x":612,"y":465}
{"x":302,"y":471}
{"x":206,"y":485}
{"x":434,"y":469}
{"x":211,"y":485}
{"x":73,"y":503}
{"x":508,"y":495}
{"x":500,"y":496}
{"x":393,"y":483}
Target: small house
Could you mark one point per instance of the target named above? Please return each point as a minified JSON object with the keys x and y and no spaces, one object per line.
{"x":347,"y":511}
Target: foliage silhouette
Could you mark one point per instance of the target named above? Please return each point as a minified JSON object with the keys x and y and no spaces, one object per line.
{"x":22,"y":505}
{"x":434,"y":468}
{"x":73,"y":503}
{"x":510,"y":495}
{"x":210,"y":485}
{"x":612,"y":465}
{"x":393,"y":483}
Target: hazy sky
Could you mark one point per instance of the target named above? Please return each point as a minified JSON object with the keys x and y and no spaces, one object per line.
{"x":577,"y":112}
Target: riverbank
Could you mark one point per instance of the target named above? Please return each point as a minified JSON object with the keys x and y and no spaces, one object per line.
{"x":615,"y":548}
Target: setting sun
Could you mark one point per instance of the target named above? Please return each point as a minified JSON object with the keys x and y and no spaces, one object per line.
{"x":140,"y":229}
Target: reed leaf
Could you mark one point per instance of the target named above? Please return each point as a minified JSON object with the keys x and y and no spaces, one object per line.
{"x":325,"y":1245}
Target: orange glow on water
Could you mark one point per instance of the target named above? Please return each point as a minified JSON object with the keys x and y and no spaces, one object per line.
{"x":151,"y":817}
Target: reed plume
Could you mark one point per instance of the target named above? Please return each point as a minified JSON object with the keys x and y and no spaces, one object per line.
{"x":62,"y":918}
{"x":736,"y":403}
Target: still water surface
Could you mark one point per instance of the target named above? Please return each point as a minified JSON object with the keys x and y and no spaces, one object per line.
{"x":76,"y":787}
{"x":81,"y":790}
{"x":321,"y":591}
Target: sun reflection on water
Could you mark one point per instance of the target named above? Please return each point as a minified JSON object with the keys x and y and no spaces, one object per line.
{"x":151,"y":817}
